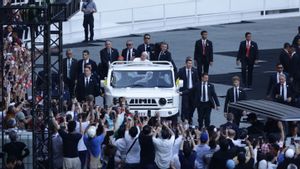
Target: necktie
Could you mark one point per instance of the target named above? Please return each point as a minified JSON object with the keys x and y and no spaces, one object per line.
{"x":86,"y":81}
{"x":109,"y":54}
{"x":68,"y":68}
{"x":204,"y":93}
{"x":235,"y":94}
{"x":83,"y":63}
{"x":128,"y":55}
{"x":203,"y":48}
{"x":282,"y":91}
{"x":188,"y":78}
{"x":247,"y":48}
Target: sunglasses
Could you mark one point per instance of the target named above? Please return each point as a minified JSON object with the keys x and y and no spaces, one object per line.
{"x":147,"y":38}
{"x":129,"y":44}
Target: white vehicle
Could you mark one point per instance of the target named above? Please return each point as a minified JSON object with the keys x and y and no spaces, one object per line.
{"x":148,"y":87}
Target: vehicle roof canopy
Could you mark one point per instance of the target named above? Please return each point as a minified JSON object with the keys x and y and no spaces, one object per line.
{"x":269,"y":109}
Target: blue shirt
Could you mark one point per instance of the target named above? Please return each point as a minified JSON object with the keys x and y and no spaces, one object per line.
{"x":201,"y":150}
{"x":93,"y":145}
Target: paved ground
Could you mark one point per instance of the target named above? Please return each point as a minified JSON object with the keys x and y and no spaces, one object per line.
{"x":269,"y":34}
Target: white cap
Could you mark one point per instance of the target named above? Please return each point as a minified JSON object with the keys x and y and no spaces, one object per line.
{"x":70,"y":113}
{"x":91,"y":132}
{"x":289,"y":153}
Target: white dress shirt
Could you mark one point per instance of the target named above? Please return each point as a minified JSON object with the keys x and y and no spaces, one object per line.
{"x":206,"y":92}
{"x":189,"y":78}
{"x":284,"y":88}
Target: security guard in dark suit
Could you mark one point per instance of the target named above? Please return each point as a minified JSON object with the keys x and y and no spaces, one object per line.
{"x":190,"y":78}
{"x":234,"y":94}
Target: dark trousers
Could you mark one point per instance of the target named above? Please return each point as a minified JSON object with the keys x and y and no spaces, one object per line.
{"x":82,"y":157}
{"x":204,"y":110}
{"x":237,"y":117}
{"x":247,"y":71}
{"x":202,"y":67}
{"x":88,"y":21}
{"x":187,"y":107}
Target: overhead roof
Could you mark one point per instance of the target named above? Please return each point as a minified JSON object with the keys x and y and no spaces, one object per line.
{"x":269,"y":109}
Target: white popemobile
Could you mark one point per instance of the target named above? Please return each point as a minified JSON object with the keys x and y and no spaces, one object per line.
{"x":148,"y":87}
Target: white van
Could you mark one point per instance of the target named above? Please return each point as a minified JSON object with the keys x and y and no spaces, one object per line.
{"x":148,"y":87}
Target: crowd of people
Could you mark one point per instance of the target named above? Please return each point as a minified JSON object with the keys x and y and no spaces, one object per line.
{"x":87,"y":135}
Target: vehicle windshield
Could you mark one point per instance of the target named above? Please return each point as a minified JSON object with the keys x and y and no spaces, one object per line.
{"x":142,"y":79}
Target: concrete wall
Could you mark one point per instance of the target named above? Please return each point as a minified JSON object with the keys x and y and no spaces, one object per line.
{"x":124,"y":17}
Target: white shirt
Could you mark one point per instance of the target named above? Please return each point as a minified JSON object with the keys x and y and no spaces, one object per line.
{"x":119,"y":120}
{"x":190,"y":78}
{"x":248,"y":43}
{"x":177,"y":144}
{"x":204,"y":42}
{"x":129,"y":54}
{"x":284,"y":92}
{"x":87,"y":80}
{"x":69,"y":64}
{"x":236,"y":93}
{"x":121,"y":147}
{"x":163,"y":151}
{"x":263,"y":164}
{"x":133,"y":155}
{"x":206,"y":92}
{"x":81,"y":146}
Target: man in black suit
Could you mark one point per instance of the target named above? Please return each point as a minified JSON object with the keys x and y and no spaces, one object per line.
{"x":203,"y":54}
{"x":295,"y":70}
{"x":295,"y":40}
{"x":129,"y":53}
{"x":190,"y":78}
{"x":274,"y":79}
{"x":283,"y":91}
{"x":234,"y":94}
{"x":88,"y":84}
{"x":285,"y":58}
{"x":248,"y":56}
{"x":165,"y":55}
{"x":205,"y":99}
{"x":107,"y":56}
{"x":147,"y":47}
{"x":86,"y":60}
{"x":70,"y":71}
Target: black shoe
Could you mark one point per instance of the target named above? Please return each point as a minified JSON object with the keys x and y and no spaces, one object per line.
{"x":91,"y":40}
{"x":85,"y":41}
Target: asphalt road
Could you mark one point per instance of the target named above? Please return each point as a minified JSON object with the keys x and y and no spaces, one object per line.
{"x":269,"y":34}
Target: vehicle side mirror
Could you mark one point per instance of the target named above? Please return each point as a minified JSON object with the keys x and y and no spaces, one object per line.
{"x":180,"y":83}
{"x":103,"y":83}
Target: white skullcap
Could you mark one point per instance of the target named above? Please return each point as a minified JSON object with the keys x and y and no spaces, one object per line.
{"x":289,"y":153}
{"x":91,"y":132}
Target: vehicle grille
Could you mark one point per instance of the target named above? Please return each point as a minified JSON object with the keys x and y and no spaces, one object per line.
{"x":142,"y":102}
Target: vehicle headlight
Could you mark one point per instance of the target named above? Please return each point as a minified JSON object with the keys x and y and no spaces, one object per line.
{"x":170,"y":100}
{"x":162,"y":101}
